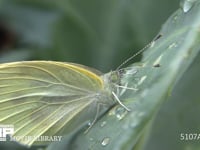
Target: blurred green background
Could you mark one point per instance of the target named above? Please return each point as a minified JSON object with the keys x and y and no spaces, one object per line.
{"x":96,"y":33}
{"x":99,"y":34}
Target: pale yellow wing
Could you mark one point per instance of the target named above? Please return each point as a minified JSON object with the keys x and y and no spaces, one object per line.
{"x":42,"y":97}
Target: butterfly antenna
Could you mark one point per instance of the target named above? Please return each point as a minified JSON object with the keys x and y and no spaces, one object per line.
{"x":140,"y":51}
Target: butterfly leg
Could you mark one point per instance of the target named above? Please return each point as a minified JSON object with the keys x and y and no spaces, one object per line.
{"x":95,"y":118}
{"x":117,"y":99}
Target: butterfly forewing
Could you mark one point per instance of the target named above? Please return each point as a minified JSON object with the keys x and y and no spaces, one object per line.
{"x":41,"y":97}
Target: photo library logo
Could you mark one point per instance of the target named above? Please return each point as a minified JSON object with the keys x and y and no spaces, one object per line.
{"x":42,"y":138}
{"x":5,"y":131}
{"x":7,"y":134}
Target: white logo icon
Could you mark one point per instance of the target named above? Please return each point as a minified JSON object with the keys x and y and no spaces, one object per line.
{"x":5,"y":131}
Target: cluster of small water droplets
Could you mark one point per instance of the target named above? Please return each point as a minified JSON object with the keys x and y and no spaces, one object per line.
{"x":173,"y":45}
{"x":187,"y":5}
{"x":105,"y":141}
{"x":103,"y":124}
{"x":120,"y":112}
{"x":134,"y":122}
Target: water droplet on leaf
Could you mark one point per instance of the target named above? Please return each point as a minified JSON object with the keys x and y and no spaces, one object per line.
{"x":89,"y":123}
{"x":103,"y":123}
{"x":105,"y":141}
{"x":173,"y":45}
{"x":175,"y":17}
{"x":156,"y":65}
{"x":157,"y":61}
{"x":120,"y":112}
{"x":186,"y":5}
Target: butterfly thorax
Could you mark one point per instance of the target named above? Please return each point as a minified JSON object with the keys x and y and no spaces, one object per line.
{"x":112,"y":80}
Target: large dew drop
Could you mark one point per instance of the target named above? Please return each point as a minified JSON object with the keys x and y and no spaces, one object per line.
{"x":105,"y":141}
{"x":186,"y":5}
